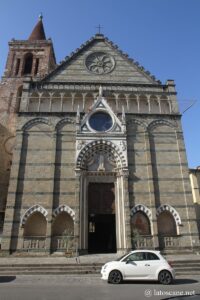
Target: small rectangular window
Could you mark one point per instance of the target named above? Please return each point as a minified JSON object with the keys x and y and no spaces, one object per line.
{"x":2,"y":216}
{"x":17,"y":66}
{"x":36,"y":66}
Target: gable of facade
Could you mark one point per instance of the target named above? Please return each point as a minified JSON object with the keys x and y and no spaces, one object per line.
{"x":98,"y":60}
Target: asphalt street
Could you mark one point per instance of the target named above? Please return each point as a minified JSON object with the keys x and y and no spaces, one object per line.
{"x":60,"y":287}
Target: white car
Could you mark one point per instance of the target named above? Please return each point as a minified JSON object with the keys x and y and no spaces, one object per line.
{"x":139,"y":265}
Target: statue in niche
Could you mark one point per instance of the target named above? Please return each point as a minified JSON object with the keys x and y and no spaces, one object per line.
{"x":101,"y":166}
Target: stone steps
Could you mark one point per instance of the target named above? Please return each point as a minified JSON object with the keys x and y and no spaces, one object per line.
{"x":75,"y":269}
{"x":181,"y":268}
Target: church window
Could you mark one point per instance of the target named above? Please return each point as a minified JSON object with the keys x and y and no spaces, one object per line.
{"x":17,"y":67}
{"x":100,"y":63}
{"x":100,"y":121}
{"x":28,"y":63}
{"x":36,"y":66}
{"x":2,"y":215}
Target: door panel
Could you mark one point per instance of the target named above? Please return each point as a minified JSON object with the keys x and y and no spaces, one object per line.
{"x":101,"y":218}
{"x":135,"y":270}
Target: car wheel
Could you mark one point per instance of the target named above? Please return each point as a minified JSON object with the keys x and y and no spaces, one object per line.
{"x":165,"y":277}
{"x":115,"y":277}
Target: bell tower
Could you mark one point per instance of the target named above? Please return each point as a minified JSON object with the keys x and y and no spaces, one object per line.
{"x":34,"y":56}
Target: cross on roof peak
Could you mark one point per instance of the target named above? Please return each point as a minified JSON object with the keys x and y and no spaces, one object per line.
{"x":99,"y":27}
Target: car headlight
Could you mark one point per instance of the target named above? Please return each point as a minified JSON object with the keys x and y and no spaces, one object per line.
{"x":105,"y":266}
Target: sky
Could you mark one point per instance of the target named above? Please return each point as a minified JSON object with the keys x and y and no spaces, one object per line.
{"x":162,"y":35}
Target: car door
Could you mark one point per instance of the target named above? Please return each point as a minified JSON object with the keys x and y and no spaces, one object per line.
{"x":134,"y":266}
{"x":152,"y":264}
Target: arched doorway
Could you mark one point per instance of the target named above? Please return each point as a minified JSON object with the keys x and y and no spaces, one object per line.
{"x":103,"y":187}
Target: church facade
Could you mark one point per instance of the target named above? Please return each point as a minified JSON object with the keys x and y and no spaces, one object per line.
{"x":92,"y":153}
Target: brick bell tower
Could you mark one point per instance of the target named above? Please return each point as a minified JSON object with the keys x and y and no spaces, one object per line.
{"x":35,"y":58}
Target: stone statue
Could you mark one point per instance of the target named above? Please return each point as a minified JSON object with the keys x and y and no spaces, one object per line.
{"x":101,"y":166}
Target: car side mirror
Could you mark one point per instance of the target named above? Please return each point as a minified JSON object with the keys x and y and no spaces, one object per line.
{"x":128,"y":261}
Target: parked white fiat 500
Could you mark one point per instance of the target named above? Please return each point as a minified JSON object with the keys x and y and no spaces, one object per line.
{"x":139,"y":265}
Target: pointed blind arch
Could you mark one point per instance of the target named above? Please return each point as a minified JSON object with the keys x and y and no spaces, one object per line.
{"x":32,"y":210}
{"x":169,"y":208}
{"x":64,"y":208}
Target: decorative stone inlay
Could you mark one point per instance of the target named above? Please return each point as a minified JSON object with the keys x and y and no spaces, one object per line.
{"x":141,"y":207}
{"x":35,"y":121}
{"x":123,"y":145}
{"x":97,"y":147}
{"x":161,"y":122}
{"x":31,"y":210}
{"x":64,"y":208}
{"x":63,"y":122}
{"x":100,"y":63}
{"x":167,"y":207}
{"x":137,"y":122}
{"x":80,"y":145}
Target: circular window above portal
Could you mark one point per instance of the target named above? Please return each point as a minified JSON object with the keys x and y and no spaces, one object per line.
{"x":100,"y":63}
{"x":100,"y":121}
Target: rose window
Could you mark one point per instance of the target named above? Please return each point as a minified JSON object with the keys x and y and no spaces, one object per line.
{"x":100,"y":63}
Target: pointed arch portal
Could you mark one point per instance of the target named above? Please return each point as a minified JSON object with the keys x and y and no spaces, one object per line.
{"x":103,"y":183}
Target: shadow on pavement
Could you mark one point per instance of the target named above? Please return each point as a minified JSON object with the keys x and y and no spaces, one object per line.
{"x":140,"y":282}
{"x":4,"y":279}
{"x":176,"y":281}
{"x":192,"y":297}
{"x":184,"y":281}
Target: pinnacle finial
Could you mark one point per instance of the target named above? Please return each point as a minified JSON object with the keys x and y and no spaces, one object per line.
{"x":40,"y":16}
{"x":78,"y":114}
{"x":38,"y":31}
{"x":100,"y":91}
{"x":123,"y":114}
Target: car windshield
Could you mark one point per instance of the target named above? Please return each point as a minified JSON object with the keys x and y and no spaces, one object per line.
{"x":119,"y":258}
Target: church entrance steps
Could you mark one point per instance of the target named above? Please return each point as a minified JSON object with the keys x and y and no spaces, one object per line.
{"x":33,"y":269}
{"x":183,"y":267}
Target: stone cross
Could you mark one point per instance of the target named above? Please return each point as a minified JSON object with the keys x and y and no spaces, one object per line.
{"x":99,"y":28}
